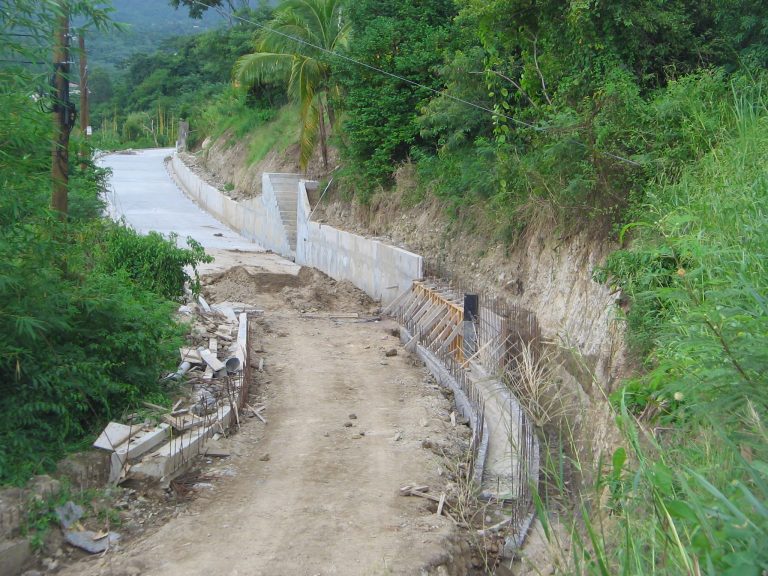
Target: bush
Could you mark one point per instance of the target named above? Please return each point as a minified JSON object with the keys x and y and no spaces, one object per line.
{"x":152,"y":262}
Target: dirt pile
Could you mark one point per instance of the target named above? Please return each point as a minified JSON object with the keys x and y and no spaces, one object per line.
{"x":307,"y":291}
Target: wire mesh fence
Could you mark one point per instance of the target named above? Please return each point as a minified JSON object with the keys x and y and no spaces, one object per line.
{"x":494,"y":337}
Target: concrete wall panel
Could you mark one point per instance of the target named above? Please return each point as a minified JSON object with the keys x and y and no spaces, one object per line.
{"x":381,"y":270}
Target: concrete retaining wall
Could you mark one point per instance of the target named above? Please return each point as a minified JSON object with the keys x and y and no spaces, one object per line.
{"x":381,"y":270}
{"x":258,"y":219}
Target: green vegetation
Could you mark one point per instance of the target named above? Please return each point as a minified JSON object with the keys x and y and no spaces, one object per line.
{"x":294,"y":49}
{"x":643,"y":119}
{"x":140,"y":104}
{"x":86,"y":317}
{"x":697,"y":279}
{"x":144,"y":26}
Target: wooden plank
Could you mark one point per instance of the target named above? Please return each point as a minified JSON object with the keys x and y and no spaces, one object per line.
{"x":183,"y":422}
{"x":440,"y":504}
{"x":415,"y":304}
{"x":427,"y":308}
{"x":454,"y":334}
{"x":258,"y":412}
{"x":401,"y":298}
{"x":224,"y":336}
{"x":439,"y":314}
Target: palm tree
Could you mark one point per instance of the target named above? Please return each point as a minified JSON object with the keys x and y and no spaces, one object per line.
{"x":294,"y":47}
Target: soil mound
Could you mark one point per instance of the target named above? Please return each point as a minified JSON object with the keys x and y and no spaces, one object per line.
{"x":310,"y":290}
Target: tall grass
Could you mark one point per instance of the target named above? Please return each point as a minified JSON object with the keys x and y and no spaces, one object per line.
{"x":687,"y":492}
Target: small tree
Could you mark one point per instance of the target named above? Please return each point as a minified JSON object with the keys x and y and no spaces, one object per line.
{"x":295,"y":48}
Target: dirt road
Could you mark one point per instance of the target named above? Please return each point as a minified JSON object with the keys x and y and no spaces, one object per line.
{"x":315,"y":490}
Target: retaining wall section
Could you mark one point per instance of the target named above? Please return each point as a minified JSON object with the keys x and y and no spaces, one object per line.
{"x":258,"y":219}
{"x":381,"y":270}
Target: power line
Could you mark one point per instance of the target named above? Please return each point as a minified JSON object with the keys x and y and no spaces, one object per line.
{"x":22,"y":61}
{"x":409,"y":81}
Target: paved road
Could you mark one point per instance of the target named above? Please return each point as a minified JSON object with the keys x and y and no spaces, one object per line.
{"x":143,"y":193}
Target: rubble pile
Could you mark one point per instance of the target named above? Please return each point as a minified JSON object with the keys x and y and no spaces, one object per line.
{"x":213,"y":367}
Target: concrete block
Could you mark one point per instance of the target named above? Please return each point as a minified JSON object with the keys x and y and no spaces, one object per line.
{"x":174,"y":456}
{"x":115,"y":434}
{"x":142,"y":443}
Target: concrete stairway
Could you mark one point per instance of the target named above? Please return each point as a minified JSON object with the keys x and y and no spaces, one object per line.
{"x":285,"y":187}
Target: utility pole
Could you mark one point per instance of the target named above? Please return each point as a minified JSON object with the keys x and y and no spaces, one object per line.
{"x":63,"y":114}
{"x":85,"y":113}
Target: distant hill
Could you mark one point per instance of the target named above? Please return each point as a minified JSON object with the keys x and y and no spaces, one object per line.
{"x":147,"y":23}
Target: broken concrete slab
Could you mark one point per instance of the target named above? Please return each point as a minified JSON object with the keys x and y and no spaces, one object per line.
{"x":225,"y":311}
{"x":190,"y":355}
{"x":114,"y":435}
{"x":91,"y":541}
{"x":174,"y":456}
{"x":141,"y":443}
{"x":204,"y":304}
{"x":69,"y":513}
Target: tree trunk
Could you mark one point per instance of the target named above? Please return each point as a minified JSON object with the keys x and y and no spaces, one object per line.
{"x":323,"y":136}
{"x":331,"y":115}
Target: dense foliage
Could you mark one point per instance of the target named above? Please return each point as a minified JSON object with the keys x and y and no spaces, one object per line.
{"x":141,"y":101}
{"x":86,"y":323}
{"x":380,"y":122}
{"x":696,"y":276}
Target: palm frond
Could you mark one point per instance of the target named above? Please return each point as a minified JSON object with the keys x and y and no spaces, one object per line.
{"x":261,"y":66}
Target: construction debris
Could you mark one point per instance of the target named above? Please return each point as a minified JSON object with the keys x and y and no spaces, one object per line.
{"x":93,"y":542}
{"x":68,"y":514}
{"x":165,"y":450}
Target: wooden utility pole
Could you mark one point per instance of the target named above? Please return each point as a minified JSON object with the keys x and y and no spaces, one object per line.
{"x":62,"y":114}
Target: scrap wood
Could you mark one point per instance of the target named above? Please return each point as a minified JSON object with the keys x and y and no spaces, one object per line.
{"x":440,"y":504}
{"x":154,"y":406}
{"x":214,"y":363}
{"x":421,"y":492}
{"x":408,"y":488}
{"x":224,"y":336}
{"x":257,"y":412}
{"x":496,"y":527}
{"x":183,"y":423}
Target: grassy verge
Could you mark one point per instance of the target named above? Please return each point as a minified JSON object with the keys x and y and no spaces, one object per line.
{"x":686,"y":493}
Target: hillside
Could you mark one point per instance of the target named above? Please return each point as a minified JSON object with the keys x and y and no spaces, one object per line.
{"x":146,"y":24}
